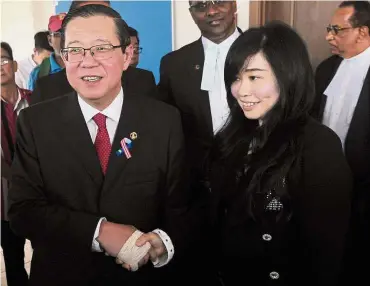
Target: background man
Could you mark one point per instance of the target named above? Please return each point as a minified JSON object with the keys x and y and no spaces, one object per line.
{"x":41,"y":51}
{"x":54,"y":63}
{"x":192,"y":79}
{"x":343,"y":104}
{"x":135,"y":42}
{"x":13,"y":100}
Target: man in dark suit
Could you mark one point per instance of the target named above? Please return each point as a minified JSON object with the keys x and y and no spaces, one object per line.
{"x":191,"y":78}
{"x":343,"y":104}
{"x":135,"y":80}
{"x":74,"y":201}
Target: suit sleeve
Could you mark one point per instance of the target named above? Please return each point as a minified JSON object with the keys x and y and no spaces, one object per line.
{"x":323,"y":207}
{"x":178,"y":214}
{"x":164,"y":85}
{"x":31,"y":214}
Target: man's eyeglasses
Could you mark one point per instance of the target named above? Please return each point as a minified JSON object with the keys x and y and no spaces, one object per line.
{"x":138,"y":50}
{"x":5,"y":61}
{"x":55,"y":34}
{"x":202,"y":6}
{"x":99,"y":52}
{"x":336,"y":29}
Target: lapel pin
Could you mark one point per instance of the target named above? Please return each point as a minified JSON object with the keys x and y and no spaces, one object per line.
{"x":126,"y":144}
{"x":197,"y":67}
{"x":133,"y":135}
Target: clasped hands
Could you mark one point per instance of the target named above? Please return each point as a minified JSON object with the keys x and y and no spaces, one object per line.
{"x":112,"y":237}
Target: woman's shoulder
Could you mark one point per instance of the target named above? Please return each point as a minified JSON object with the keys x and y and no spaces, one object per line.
{"x":319,"y":136}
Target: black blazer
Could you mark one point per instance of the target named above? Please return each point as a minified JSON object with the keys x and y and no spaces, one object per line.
{"x":307,"y":249}
{"x":59,"y":192}
{"x":180,"y":81}
{"x":357,"y":144}
{"x":54,"y":85}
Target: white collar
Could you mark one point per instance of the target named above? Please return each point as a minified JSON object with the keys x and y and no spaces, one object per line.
{"x":113,"y":111}
{"x":215,"y":55}
{"x":361,"y":58}
{"x":226,"y":44}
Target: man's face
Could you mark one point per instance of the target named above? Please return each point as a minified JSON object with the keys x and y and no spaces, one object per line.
{"x":8,"y":68}
{"x":95,"y":79}
{"x":54,"y":41}
{"x":215,"y":19}
{"x":135,"y":57}
{"x":344,"y":41}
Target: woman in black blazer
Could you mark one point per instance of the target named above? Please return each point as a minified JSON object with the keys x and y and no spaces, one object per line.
{"x":280,"y":185}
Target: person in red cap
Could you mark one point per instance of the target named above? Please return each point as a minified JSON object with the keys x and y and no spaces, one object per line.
{"x":54,"y":63}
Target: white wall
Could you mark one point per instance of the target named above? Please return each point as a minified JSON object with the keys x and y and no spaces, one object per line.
{"x":185,"y":30}
{"x":21,"y":20}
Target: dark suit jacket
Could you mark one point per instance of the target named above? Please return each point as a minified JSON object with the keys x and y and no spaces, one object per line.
{"x":180,"y":81}
{"x":59,"y":192}
{"x":357,"y":144}
{"x":134,"y":80}
{"x":308,"y":248}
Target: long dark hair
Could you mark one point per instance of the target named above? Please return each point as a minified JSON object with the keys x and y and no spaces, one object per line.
{"x":275,"y":145}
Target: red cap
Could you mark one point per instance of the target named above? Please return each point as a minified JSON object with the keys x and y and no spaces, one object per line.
{"x":55,"y":22}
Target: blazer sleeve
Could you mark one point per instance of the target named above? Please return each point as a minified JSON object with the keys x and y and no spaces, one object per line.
{"x":324,"y":203}
{"x":180,"y":219}
{"x":164,"y":85}
{"x":31,"y":214}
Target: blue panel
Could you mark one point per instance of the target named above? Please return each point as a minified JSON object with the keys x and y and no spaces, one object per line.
{"x":152,"y":19}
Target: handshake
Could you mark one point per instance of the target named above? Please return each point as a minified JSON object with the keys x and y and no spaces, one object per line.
{"x":131,"y":247}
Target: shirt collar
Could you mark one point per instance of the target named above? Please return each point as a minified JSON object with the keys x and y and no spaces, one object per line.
{"x":21,"y":97}
{"x":113,"y":111}
{"x":362,"y":58}
{"x":54,"y":66}
{"x":225,"y":45}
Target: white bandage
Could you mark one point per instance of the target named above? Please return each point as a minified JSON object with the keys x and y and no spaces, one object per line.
{"x":132,"y":254}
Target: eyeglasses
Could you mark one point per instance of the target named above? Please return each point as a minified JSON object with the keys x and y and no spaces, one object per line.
{"x":55,"y":34}
{"x":99,"y":52}
{"x":138,"y":50}
{"x":202,"y":6}
{"x":5,"y":61}
{"x":336,"y":29}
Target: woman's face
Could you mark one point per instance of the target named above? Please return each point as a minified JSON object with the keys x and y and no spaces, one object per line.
{"x":256,"y":88}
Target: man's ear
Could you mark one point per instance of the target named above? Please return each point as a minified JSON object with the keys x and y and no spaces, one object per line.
{"x":364,"y":32}
{"x":49,"y":40}
{"x":15,"y":66}
{"x":129,"y":52}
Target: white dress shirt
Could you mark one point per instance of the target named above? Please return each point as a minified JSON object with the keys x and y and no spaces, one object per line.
{"x":25,"y":68}
{"x":113,"y":114}
{"x":213,"y":78}
{"x":343,"y":93}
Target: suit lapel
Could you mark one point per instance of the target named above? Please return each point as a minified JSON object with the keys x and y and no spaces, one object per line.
{"x":75,"y":135}
{"x":128,"y":123}
{"x":195,"y":71}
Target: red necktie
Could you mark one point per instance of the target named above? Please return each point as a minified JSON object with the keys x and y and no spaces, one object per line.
{"x":102,"y":142}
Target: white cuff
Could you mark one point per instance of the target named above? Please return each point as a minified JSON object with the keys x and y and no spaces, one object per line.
{"x":95,"y":244}
{"x":164,"y":259}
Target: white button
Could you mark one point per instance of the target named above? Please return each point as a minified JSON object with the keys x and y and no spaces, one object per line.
{"x":267,"y":237}
{"x":274,"y":275}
